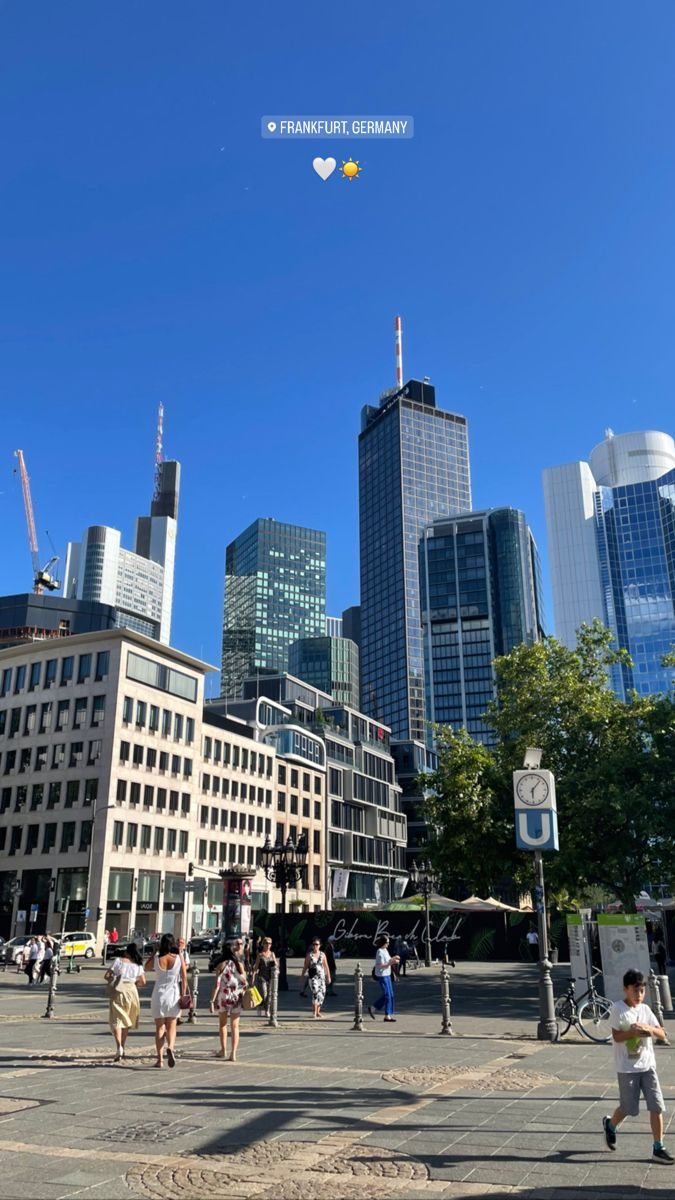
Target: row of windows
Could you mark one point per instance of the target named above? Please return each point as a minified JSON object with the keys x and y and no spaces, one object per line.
{"x":153,"y":797}
{"x":237,"y":790}
{"x":33,"y":759}
{"x":52,"y":716}
{"x":50,"y":795}
{"x":148,"y":716}
{"x":283,"y":775}
{"x":236,"y":756}
{"x":57,"y":837}
{"x":45,"y":674}
{"x":294,"y":803}
{"x":157,"y":839}
{"x":222,"y":818}
{"x":153,"y":760}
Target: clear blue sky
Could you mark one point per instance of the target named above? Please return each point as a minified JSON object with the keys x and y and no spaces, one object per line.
{"x":153,"y":246}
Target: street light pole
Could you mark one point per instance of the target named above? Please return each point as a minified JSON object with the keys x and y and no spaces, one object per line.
{"x":284,"y":865}
{"x":423,"y":879}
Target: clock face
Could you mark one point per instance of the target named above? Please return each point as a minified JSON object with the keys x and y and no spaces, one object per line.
{"x":532,"y":789}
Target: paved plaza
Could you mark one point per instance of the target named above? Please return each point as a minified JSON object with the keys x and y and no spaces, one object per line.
{"x":313,"y":1110}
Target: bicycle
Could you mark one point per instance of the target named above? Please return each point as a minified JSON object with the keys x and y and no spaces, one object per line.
{"x":590,"y":1012}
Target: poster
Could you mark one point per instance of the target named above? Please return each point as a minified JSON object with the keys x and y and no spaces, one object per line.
{"x":340,"y":883}
{"x":577,"y":935}
{"x":623,"y":944}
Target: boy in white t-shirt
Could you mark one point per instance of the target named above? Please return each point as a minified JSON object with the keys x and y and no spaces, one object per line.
{"x":633,"y":1028}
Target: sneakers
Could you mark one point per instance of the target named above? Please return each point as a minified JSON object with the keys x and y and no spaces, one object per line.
{"x":661,"y":1155}
{"x":610,"y":1134}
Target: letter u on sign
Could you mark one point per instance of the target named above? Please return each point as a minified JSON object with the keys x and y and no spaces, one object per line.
{"x":537,"y":831}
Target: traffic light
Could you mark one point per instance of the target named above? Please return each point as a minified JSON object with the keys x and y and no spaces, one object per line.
{"x":99,"y":914}
{"x":191,"y":870}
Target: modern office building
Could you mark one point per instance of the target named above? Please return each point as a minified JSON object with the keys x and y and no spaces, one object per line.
{"x":413,"y":467}
{"x":138,"y":583}
{"x":351,"y":624}
{"x":333,"y":627}
{"x":275,"y":593}
{"x":611,"y":535}
{"x":329,"y":663}
{"x":480,"y":587}
{"x":366,"y":831}
{"x":34,"y":618}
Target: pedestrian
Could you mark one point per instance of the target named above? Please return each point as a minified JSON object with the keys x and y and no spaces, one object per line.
{"x":228,"y":989}
{"x":332,"y":969}
{"x":262,"y":971}
{"x":317,"y":973}
{"x":47,"y":960}
{"x":22,"y":957}
{"x":124,"y":977}
{"x":170,"y":985}
{"x":247,"y":953}
{"x":31,"y":960}
{"x":106,"y":939}
{"x":405,"y":955}
{"x":660,"y":953}
{"x":382,"y":973}
{"x":634,"y":1028}
{"x":533,"y":943}
{"x":114,"y":936}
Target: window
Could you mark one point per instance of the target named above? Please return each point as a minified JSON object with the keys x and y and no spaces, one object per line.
{"x":20,"y":681}
{"x":282,"y":774}
{"x":306,"y":784}
{"x":177,"y":727}
{"x":294,"y":778}
{"x":76,"y":751}
{"x":80,"y":715}
{"x":72,"y":792}
{"x":317,"y":785}
{"x":157,"y":675}
{"x":67,"y":670}
{"x":46,"y":717}
{"x":34,"y":677}
{"x":206,"y":782}
{"x":175,"y":764}
{"x":317,"y":878}
{"x":171,"y":841}
{"x":159,"y":840}
{"x":208,"y":748}
{"x":127,"y":710}
{"x":10,"y":760}
{"x":187,"y":768}
{"x":85,"y":835}
{"x":98,"y":711}
{"x":49,"y":837}
{"x":244,"y":760}
{"x":6,"y":681}
{"x":132,"y":835}
{"x":14,"y":722}
{"x":84,"y":668}
{"x":166,"y":723}
{"x":138,"y":756}
{"x":121,"y":793}
{"x":95,"y":747}
{"x":148,"y":796}
{"x":118,"y":834}
{"x":62,"y":715}
{"x":59,"y":755}
{"x":216,"y":752}
{"x":294,"y":805}
{"x":161,"y":799}
{"x":54,"y":795}
{"x":90,"y":791}
{"x":102,"y":665}
{"x":135,"y":793}
{"x":29,"y":719}
{"x":317,"y":811}
{"x":281,"y":802}
{"x":15,"y":843}
{"x":5,"y":798}
{"x":163,"y":761}
{"x":185,"y":804}
{"x":189,"y":730}
{"x":146,"y":837}
{"x":125,"y":749}
{"x":37,"y":795}
{"x":50,"y":673}
{"x":183,"y":842}
{"x":141,"y":714}
{"x":41,"y":758}
{"x":21,"y":794}
{"x":24,"y":763}
{"x":316,"y":842}
{"x":305,"y":806}
{"x":153,"y":723}
{"x":173,"y":803}
{"x":3,"y":721}
{"x":151,"y":758}
{"x":67,"y":836}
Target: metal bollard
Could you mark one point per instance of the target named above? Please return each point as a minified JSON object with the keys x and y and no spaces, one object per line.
{"x":194,"y":988}
{"x":655,"y":994}
{"x":273,"y":995}
{"x":358,"y":999}
{"x":446,"y":1026}
{"x":666,"y":996}
{"x":49,"y":1011}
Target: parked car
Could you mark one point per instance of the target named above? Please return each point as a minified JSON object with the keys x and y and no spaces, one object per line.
{"x":12,"y":950}
{"x":204,"y":942}
{"x":80,"y":943}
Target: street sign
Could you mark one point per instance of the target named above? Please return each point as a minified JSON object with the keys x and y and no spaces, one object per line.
{"x":21,"y":916}
{"x":537,"y":831}
{"x":34,"y":909}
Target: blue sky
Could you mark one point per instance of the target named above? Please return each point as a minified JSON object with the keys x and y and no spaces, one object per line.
{"x":154,"y":247}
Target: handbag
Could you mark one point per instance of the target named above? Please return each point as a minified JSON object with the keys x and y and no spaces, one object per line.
{"x":251,"y":998}
{"x":185,"y":1001}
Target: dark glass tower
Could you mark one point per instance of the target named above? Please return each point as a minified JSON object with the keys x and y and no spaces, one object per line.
{"x":275,"y":593}
{"x":480,"y":586}
{"x":329,"y":663}
{"x":413,"y":467}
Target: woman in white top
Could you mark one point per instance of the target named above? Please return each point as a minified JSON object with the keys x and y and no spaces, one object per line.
{"x":382,"y":973}
{"x":123,"y":977}
{"x":171,"y":984}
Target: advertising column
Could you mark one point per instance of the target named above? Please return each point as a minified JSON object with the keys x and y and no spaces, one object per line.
{"x":236,"y":903}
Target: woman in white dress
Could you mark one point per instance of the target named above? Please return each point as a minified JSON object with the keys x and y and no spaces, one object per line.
{"x":123,"y":978}
{"x":170,"y":985}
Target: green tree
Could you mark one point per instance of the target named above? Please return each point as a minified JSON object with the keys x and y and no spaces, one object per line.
{"x":614,"y":764}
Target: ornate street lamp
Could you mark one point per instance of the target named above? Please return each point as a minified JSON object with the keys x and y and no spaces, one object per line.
{"x":424,"y":881}
{"x":284,"y":865}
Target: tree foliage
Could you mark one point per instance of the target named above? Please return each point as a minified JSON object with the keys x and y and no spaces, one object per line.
{"x":614,"y":764}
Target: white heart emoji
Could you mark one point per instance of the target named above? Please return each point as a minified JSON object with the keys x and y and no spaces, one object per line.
{"x":324,"y":167}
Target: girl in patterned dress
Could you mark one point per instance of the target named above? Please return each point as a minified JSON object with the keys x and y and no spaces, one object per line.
{"x":228,"y":990}
{"x":317,"y":972}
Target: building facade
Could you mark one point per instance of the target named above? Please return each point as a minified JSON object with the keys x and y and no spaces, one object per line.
{"x":34,"y":618}
{"x":275,"y":593}
{"x":481,"y":595}
{"x":413,"y":467}
{"x":138,"y":583}
{"x":330,"y":664}
{"x":611,"y":533}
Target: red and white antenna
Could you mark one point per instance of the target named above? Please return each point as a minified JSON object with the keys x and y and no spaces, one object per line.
{"x":158,"y":447}
{"x":398,"y":334}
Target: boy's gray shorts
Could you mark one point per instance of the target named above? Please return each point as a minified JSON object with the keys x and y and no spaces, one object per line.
{"x":631,"y":1083}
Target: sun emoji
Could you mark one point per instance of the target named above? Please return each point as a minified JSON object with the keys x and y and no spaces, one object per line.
{"x":351,"y":169}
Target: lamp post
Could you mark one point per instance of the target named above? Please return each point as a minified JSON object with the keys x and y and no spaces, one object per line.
{"x":16,"y":892}
{"x":537,"y":830}
{"x":424,"y":881}
{"x":284,"y":865}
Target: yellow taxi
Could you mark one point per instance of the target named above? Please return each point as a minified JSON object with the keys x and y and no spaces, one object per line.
{"x":78,"y":944}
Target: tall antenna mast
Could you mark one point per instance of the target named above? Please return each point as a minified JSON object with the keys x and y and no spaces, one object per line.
{"x":158,"y":448}
{"x":398,"y":334}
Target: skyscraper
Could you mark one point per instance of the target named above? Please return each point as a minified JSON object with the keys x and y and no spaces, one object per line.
{"x":413,"y":467}
{"x":330,"y":664}
{"x":275,"y":593}
{"x":611,"y":533}
{"x":138,"y":583}
{"x":480,"y":584}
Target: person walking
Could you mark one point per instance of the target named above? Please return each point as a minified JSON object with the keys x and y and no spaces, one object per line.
{"x":228,"y":989}
{"x":170,"y":985}
{"x":32,"y":960}
{"x":262,"y":972}
{"x":114,"y":936}
{"x":332,"y":968}
{"x":660,"y":954}
{"x":47,"y":960}
{"x":382,"y":972}
{"x":533,"y":943}
{"x":124,"y":977}
{"x":106,"y":939}
{"x":317,"y":973}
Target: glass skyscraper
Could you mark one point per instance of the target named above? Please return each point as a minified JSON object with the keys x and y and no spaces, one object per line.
{"x":275,"y":593}
{"x":330,"y":664}
{"x":413,"y":467}
{"x":480,"y":586}
{"x":611,"y":528}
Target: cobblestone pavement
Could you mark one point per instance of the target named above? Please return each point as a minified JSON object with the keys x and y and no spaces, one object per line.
{"x":315,"y":1111}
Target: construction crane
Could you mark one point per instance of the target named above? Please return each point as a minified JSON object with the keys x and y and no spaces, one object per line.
{"x":41,"y":577}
